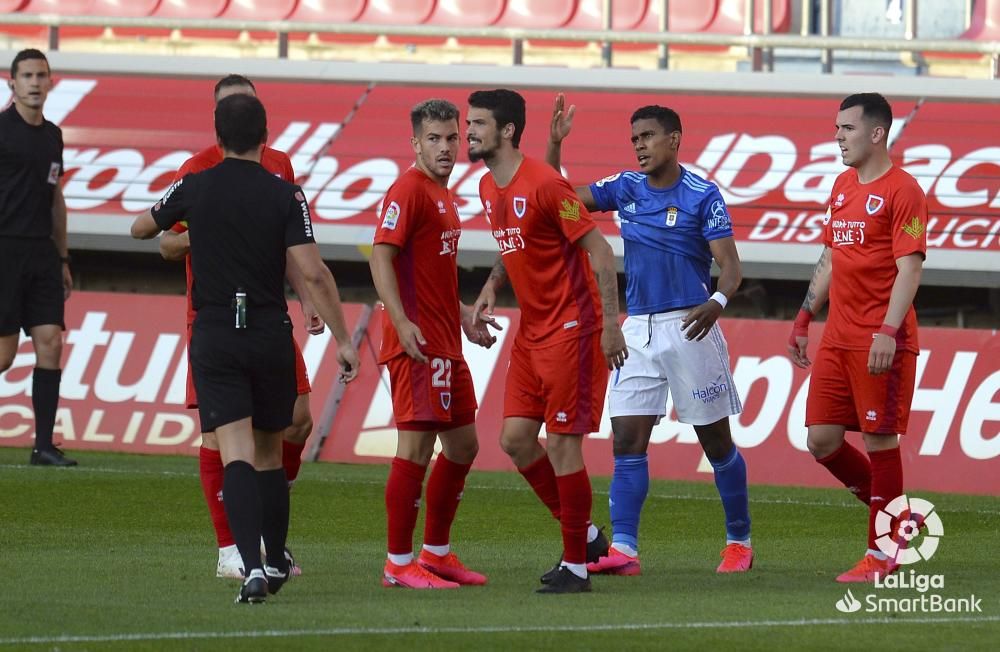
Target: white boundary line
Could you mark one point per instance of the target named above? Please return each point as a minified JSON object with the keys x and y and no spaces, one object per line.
{"x":394,"y":631}
{"x":483,"y":487}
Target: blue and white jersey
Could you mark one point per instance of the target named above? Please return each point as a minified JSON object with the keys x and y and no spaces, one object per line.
{"x":666,"y":233}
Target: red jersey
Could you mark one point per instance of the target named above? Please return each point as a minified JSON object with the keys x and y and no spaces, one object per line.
{"x":421,"y":218}
{"x":870,"y":226}
{"x":537,"y":220}
{"x":273,"y":161}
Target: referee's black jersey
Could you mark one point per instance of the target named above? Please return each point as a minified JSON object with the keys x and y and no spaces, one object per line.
{"x":241,"y":219}
{"x":31,"y":163}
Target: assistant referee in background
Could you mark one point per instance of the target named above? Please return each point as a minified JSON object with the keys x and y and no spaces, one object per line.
{"x":242,"y":220}
{"x":34,"y":264}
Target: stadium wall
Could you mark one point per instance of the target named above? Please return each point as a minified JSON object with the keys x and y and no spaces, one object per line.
{"x":125,"y":367}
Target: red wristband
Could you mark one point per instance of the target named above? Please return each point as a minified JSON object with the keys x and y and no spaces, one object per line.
{"x":886,"y":329}
{"x":800,"y":328}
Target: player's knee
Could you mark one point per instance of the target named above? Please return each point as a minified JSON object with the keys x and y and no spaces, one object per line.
{"x":464,"y":452}
{"x":627,"y":442}
{"x":821,"y":447}
{"x":48,"y":350}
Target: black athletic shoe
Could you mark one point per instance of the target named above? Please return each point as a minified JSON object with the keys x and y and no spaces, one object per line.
{"x":566,"y":581}
{"x":595,"y":550}
{"x":275,"y":579}
{"x":254,"y":588}
{"x":50,"y":457}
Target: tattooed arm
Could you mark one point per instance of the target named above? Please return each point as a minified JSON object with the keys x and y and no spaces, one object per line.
{"x":816,"y":298}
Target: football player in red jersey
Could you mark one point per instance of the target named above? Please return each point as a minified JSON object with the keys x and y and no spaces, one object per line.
{"x":863,"y":378}
{"x":569,"y":336}
{"x":414,"y":267}
{"x":175,"y":245}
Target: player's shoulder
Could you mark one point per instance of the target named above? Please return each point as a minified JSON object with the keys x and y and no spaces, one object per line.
{"x":905,"y":181}
{"x":275,"y":159}
{"x":205,"y":159}
{"x":696,"y":184}
{"x":409,"y":182}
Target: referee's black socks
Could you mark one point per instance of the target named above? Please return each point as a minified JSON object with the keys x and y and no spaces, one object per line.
{"x":273,"y":487}
{"x":241,"y":497}
{"x":45,"y":400}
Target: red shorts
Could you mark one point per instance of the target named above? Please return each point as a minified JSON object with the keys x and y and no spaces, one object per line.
{"x":563,"y":384}
{"x":301,"y":377}
{"x":432,"y":397}
{"x":843,"y":393}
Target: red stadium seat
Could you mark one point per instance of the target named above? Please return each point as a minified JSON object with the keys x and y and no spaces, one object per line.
{"x":125,"y":8}
{"x":190,"y":8}
{"x":397,"y":12}
{"x":537,"y":14}
{"x":328,"y":11}
{"x":729,"y":19}
{"x":985,"y":26}
{"x":10,"y":6}
{"x":259,"y":9}
{"x":625,"y":14}
{"x":466,"y":13}
{"x":58,"y":7}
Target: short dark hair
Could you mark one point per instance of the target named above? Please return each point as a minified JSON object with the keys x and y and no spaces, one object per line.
{"x":667,"y":118}
{"x":434,"y":110}
{"x":507,"y":107}
{"x":232,"y":80}
{"x":874,"y":108}
{"x":25,"y":55}
{"x":240,"y":123}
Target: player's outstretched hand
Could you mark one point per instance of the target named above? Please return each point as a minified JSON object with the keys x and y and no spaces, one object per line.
{"x":700,"y":320}
{"x":412,"y":339}
{"x":347,"y":358}
{"x":881,"y":353}
{"x":477,"y":330}
{"x":314,"y":323}
{"x":482,"y":309}
{"x":562,"y":119}
{"x":613,"y":346}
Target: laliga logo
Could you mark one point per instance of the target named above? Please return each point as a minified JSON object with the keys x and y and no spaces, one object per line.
{"x":907,"y":515}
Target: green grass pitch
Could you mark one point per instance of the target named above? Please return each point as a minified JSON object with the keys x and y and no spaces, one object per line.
{"x":118,"y":554}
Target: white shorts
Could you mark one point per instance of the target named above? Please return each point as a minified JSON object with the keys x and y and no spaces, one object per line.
{"x":662,"y":361}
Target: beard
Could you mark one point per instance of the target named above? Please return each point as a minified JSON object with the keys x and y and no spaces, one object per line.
{"x":485,"y":152}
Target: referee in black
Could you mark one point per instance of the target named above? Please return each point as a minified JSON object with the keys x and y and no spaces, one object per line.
{"x":34,"y":263}
{"x":242,"y":220}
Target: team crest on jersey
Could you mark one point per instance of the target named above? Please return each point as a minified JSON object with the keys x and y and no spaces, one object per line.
{"x":520,"y":206}
{"x":54,"y":173}
{"x":446,"y":400}
{"x":391,"y":216}
{"x":671,"y":216}
{"x":874,"y":204}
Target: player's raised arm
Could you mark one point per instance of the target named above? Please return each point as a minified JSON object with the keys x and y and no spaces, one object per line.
{"x":559,"y":128}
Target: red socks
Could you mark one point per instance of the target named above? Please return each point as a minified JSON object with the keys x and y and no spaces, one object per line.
{"x":402,"y":501}
{"x":575,"y":497}
{"x":887,"y":484}
{"x":444,"y":491}
{"x":211,"y":472}
{"x":291,"y":459}
{"x":851,"y":467}
{"x":542,"y":478}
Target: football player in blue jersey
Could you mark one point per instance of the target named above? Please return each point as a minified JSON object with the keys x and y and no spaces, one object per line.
{"x":673,"y":224}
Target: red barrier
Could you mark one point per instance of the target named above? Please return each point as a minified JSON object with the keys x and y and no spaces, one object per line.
{"x":774,"y":158}
{"x":124,"y":373}
{"x":953,"y":443}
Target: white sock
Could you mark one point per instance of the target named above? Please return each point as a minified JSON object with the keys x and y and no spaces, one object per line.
{"x":742,"y":542}
{"x":580,"y":570}
{"x":401,"y":560}
{"x":592,"y":532}
{"x":877,"y":554}
{"x":626,"y":549}
{"x":440,"y":551}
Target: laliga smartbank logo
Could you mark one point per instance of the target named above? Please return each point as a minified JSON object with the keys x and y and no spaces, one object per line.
{"x":908,"y":531}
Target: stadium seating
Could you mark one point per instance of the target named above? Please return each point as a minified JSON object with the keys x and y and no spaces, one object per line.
{"x":328,"y":11}
{"x":466,"y":13}
{"x":10,"y":6}
{"x":125,"y":8}
{"x":537,"y":14}
{"x":61,"y":7}
{"x":259,"y":9}
{"x":397,"y":12}
{"x":985,"y":26}
{"x":731,"y":14}
{"x":625,"y":14}
{"x":190,"y":8}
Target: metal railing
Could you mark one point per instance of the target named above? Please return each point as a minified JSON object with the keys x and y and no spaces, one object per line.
{"x":760,"y":47}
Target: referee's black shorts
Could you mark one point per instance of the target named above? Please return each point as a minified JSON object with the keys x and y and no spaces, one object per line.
{"x":31,"y":288}
{"x":243,"y":372}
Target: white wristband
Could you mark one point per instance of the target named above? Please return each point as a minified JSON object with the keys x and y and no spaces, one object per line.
{"x":720,"y":299}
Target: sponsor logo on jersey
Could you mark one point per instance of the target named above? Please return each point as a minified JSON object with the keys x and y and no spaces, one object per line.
{"x":391,"y":216}
{"x":441,"y":208}
{"x":562,"y":417}
{"x":871,"y":415}
{"x":570,"y":210}
{"x":829,"y":213}
{"x":848,"y":232}
{"x":629,"y":207}
{"x":306,"y":218}
{"x":607,"y":179}
{"x":711,"y":392}
{"x":174,"y":186}
{"x":671,"y":216}
{"x":874,"y":204}
{"x":914,"y":229}
{"x":520,"y":206}
{"x":54,"y":173}
{"x":720,"y":218}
